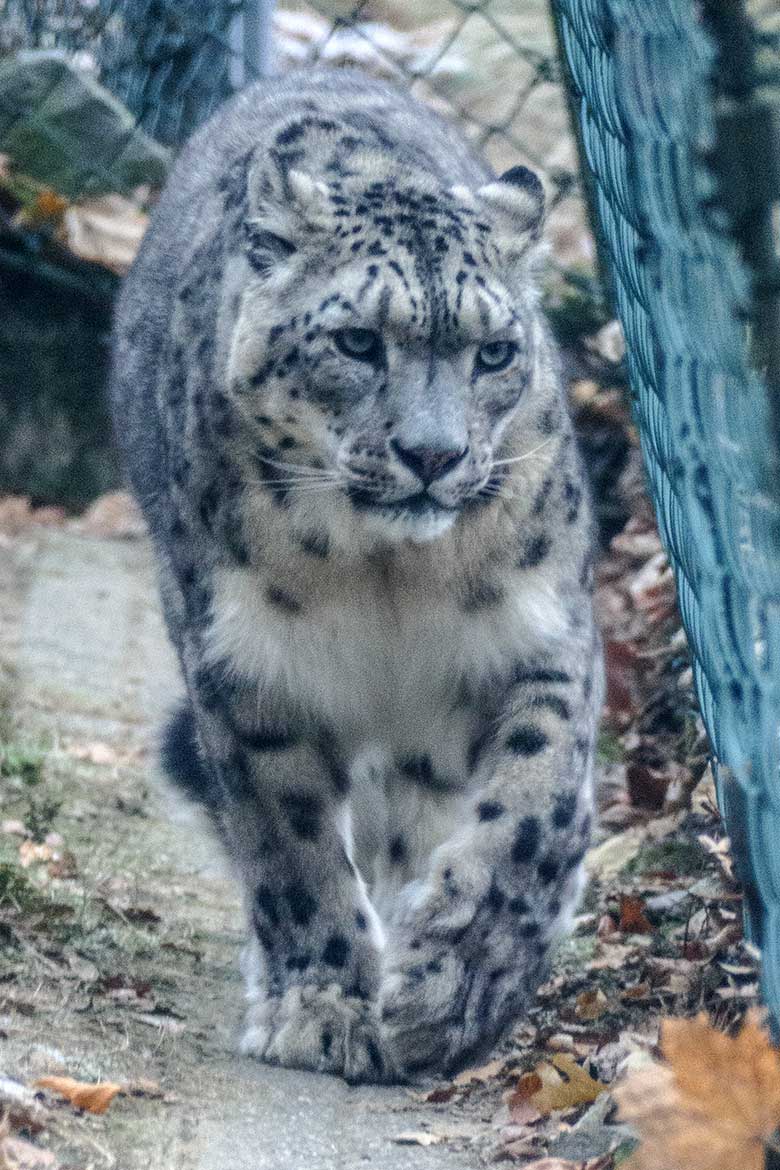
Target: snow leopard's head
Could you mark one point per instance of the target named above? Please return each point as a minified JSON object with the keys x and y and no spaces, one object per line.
{"x":387,"y":340}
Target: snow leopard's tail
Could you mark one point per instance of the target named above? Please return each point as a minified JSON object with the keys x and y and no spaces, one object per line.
{"x":182,"y":762}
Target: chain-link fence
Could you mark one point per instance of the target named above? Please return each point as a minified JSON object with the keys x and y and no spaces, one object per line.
{"x":486,"y":64}
{"x":96,"y":95}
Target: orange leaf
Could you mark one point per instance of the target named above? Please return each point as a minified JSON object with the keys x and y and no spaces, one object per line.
{"x":713,"y":1105}
{"x":561,"y":1084}
{"x":632,"y":916}
{"x":49,"y":205}
{"x":94,"y":1098}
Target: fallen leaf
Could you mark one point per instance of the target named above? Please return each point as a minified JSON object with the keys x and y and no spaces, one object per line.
{"x":590,"y":1005}
{"x":163,"y":1021}
{"x":439,"y":1095}
{"x":33,"y":853}
{"x":107,"y":230}
{"x":632,"y":916}
{"x":15,"y":828}
{"x":625,"y":672}
{"x":606,"y":926}
{"x":721,"y":851}
{"x":418,"y":1138}
{"x":485,"y":1073}
{"x":647,"y":786}
{"x":558,"y":1084}
{"x":713,"y":1105}
{"x":638,"y":992}
{"x":115,"y":516}
{"x":94,"y":1098}
{"x":63,"y":865}
{"x":94,"y":753}
{"x":611,"y":956}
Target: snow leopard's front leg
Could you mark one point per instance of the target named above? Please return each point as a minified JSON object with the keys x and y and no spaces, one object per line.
{"x":312,"y":965}
{"x":470,"y":946}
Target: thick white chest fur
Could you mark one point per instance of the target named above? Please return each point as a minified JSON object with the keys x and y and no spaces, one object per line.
{"x":382,"y":674}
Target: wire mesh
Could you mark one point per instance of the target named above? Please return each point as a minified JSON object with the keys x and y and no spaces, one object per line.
{"x":649,"y":85}
{"x":489,"y":64}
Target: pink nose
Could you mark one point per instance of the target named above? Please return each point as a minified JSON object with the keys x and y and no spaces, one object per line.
{"x":429,"y":463}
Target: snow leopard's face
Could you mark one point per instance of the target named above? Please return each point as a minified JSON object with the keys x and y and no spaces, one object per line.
{"x":386,"y":342}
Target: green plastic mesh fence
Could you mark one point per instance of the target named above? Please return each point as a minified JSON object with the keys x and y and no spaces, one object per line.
{"x":677,"y":141}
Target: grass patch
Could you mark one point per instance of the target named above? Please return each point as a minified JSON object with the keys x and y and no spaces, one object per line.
{"x":16,"y":889}
{"x":23,"y":761}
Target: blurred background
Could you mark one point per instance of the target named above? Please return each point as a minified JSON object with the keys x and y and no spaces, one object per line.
{"x":95,"y":96}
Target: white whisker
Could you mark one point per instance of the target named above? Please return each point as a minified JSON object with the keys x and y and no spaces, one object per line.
{"x":520,"y":458}
{"x":299,"y":468}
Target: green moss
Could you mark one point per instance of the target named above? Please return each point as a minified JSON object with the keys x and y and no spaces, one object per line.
{"x":609,"y":749}
{"x":16,"y":890}
{"x":22,"y":760}
{"x":680,"y":857}
{"x":40,"y":816}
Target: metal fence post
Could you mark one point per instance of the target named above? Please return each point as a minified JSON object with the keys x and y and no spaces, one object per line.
{"x":257,"y":37}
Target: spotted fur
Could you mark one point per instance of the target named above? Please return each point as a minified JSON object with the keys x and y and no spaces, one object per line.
{"x":342,"y":416}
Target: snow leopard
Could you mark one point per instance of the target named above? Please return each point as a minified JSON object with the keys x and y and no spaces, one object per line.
{"x":342,"y":414}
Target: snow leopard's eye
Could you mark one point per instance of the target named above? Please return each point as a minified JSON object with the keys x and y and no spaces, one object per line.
{"x":362,"y":344}
{"x":495,"y":356}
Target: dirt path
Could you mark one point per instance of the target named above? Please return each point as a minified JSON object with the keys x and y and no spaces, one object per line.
{"x":128,"y":968}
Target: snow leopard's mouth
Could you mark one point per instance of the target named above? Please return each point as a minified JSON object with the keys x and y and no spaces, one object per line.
{"x":417,"y":504}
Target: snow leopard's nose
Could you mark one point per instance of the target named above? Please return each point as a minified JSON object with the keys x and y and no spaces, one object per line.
{"x":429,"y":463}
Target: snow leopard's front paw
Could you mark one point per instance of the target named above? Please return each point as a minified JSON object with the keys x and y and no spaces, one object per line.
{"x":421,"y":1011}
{"x":457,"y":977}
{"x":321,"y":1029}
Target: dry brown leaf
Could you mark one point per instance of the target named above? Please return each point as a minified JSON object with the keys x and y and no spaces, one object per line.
{"x":558,"y":1084}
{"x":107,"y":230}
{"x":590,"y":1005}
{"x":713,"y":1105}
{"x":33,"y":853}
{"x":94,"y":1098}
{"x":632,"y":916}
{"x":438,"y":1095}
{"x":485,"y":1073}
{"x":15,"y":828}
{"x":94,"y":753}
{"x":113,"y":516}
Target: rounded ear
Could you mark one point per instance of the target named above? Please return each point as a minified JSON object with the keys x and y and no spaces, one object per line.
{"x":518,"y":197}
{"x":264,"y":249}
{"x":288,"y":207}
